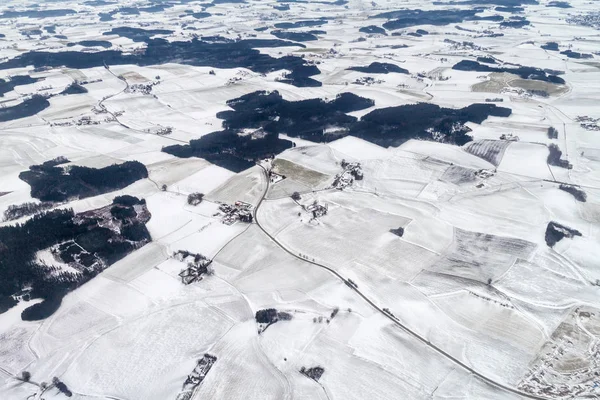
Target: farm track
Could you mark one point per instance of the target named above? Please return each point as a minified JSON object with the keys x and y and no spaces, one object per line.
{"x":399,"y":324}
{"x":396,"y":322}
{"x":102,"y":106}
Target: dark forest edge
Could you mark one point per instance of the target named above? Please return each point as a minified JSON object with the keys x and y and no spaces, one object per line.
{"x":207,"y":51}
{"x":317,"y":120}
{"x":51,"y":182}
{"x":523,"y":72}
{"x":87,"y":242}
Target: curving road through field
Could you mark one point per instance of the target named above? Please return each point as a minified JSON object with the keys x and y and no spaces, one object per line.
{"x":405,"y":328}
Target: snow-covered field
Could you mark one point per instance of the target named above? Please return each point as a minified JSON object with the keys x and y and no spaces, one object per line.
{"x":429,"y":278}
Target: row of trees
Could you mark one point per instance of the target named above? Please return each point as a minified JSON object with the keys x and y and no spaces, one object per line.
{"x":56,"y":382}
{"x":555,"y":157}
{"x":16,"y":211}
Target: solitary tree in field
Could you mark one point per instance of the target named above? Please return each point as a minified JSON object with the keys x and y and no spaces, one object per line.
{"x":25,"y":376}
{"x":195,"y":198}
{"x":296,"y":196}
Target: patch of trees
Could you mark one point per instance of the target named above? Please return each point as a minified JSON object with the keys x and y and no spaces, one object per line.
{"x":6,"y":303}
{"x":398,"y":232}
{"x":349,"y":102}
{"x":301,"y":24}
{"x":136,"y":232}
{"x":53,"y":183}
{"x":137,"y":34}
{"x":554,"y":157}
{"x":229,"y":150}
{"x":216,"y":52}
{"x":324,"y":121}
{"x":122,"y":213}
{"x":92,"y":43}
{"x":515,"y":22}
{"x":558,"y":4}
{"x":74,"y":88}
{"x":301,"y":76}
{"x":25,"y":376}
{"x":82,"y":240}
{"x":487,"y":60}
{"x":183,"y":254}
{"x":575,"y":54}
{"x":227,"y":1}
{"x":266,"y":316}
{"x":305,"y":118}
{"x":33,"y":13}
{"x":393,"y":126}
{"x":313,"y":373}
{"x":269,"y":114}
{"x":373,"y":29}
{"x":295,"y":36}
{"x":508,"y":3}
{"x":575,"y":191}
{"x":17,"y":211}
{"x":18,"y":245}
{"x":269,"y":316}
{"x":551,"y":46}
{"x":331,"y":3}
{"x":51,"y":163}
{"x":18,"y":80}
{"x":379,"y":68}
{"x":127,"y":200}
{"x":407,"y":18}
{"x":44,"y":309}
{"x":200,"y":15}
{"x":552,"y":133}
{"x":555,"y":232}
{"x":523,"y":72}
{"x":60,"y":385}
{"x":296,"y":196}
{"x":27,"y":108}
{"x":509,"y":9}
{"x":195,"y":198}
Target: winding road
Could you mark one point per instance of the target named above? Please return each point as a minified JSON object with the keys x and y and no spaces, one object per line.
{"x":393,"y":319}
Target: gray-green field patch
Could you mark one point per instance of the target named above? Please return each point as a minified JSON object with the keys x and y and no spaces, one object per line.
{"x":306,"y":176}
{"x":500,"y":80}
{"x":550,"y":88}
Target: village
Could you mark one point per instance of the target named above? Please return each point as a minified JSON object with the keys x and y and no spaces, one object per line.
{"x":197,"y":266}
{"x":231,"y":213}
{"x":352,"y":172}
